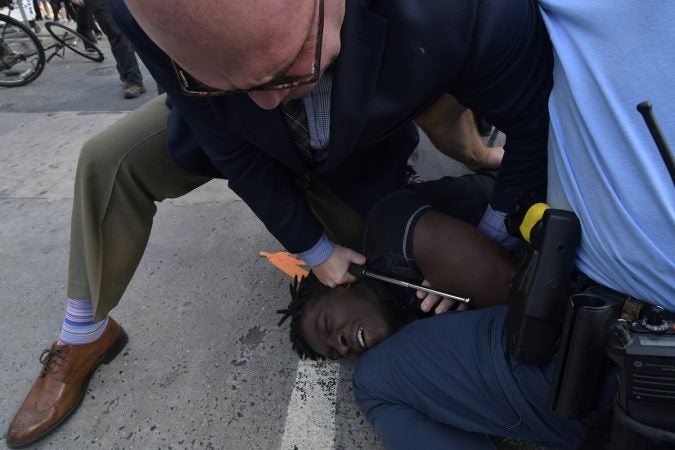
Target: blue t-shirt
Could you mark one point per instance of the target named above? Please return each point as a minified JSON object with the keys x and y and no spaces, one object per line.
{"x":603,"y":162}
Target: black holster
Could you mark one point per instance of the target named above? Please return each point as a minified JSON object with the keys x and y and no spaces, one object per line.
{"x":581,"y":361}
{"x":539,"y":288}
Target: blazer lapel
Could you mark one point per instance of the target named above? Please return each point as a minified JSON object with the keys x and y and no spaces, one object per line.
{"x":264,"y":129}
{"x":356,"y":71}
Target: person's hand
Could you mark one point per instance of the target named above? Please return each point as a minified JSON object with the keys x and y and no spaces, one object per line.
{"x":441,"y":305}
{"x":334,"y":271}
{"x":78,"y":2}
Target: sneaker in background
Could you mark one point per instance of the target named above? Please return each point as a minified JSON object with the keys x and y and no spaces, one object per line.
{"x":134,"y":90}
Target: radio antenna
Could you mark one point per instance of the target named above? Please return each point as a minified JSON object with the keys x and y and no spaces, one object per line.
{"x":645,"y":108}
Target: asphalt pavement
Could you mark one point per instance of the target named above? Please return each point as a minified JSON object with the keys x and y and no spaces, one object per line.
{"x":206,"y":365}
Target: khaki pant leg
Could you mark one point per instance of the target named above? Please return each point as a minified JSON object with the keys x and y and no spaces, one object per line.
{"x":120,"y":174}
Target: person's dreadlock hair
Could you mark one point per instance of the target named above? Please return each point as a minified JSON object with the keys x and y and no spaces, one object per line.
{"x":304,"y":293}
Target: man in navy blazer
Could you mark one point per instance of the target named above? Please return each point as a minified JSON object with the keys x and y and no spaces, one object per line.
{"x":395,"y":59}
{"x":235,"y":73}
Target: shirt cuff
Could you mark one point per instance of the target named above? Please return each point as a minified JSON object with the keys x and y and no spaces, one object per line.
{"x":492,"y":225}
{"x":319,"y":253}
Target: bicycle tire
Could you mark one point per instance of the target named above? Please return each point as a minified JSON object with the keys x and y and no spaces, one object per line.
{"x":74,"y":41}
{"x":22,"y":57}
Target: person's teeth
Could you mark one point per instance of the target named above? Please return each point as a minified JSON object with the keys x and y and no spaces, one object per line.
{"x":361,"y":337}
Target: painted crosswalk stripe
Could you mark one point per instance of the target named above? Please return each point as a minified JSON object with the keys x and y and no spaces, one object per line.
{"x":310,"y":419}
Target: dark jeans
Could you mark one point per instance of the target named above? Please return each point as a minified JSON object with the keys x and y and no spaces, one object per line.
{"x":56,"y":7}
{"x":36,"y":7}
{"x":123,"y":52}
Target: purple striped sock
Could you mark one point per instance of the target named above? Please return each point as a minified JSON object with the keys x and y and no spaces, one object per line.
{"x":79,"y":326}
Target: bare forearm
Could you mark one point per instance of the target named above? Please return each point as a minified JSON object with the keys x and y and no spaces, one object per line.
{"x":452,"y":130}
{"x":456,"y":257}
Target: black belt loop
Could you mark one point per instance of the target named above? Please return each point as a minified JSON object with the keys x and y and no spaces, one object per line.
{"x":581,"y":282}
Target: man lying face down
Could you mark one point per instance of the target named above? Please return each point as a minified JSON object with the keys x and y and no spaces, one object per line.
{"x":425,"y":232}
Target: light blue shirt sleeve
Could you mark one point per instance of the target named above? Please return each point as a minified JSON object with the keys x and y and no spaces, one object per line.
{"x":492,"y":225}
{"x":319,"y":252}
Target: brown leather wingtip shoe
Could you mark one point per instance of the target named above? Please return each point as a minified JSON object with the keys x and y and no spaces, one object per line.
{"x":61,"y":385}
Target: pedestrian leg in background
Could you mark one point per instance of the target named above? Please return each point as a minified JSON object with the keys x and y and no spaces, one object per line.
{"x":46,"y":9}
{"x":36,"y":7}
{"x":29,"y":11}
{"x":56,"y":6}
{"x":123,"y":52}
{"x":69,"y":8}
{"x":121,"y":173}
{"x":83,"y":21}
{"x":56,"y":10}
{"x":94,"y":26}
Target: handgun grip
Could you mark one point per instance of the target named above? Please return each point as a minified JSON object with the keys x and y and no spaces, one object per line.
{"x":358,"y":270}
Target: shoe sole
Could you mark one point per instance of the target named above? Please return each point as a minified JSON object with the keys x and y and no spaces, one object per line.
{"x":133,"y":96}
{"x":105,"y":358}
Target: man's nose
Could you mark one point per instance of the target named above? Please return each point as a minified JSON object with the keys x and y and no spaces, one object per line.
{"x":268,"y":99}
{"x":340,"y":343}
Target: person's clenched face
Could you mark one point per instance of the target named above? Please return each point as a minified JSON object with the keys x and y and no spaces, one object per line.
{"x":347,"y":321}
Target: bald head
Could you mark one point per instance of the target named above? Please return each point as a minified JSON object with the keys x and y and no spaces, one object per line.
{"x":235,"y":44}
{"x":224,"y":33}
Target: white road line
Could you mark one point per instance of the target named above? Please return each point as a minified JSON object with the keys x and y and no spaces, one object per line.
{"x":310,"y":419}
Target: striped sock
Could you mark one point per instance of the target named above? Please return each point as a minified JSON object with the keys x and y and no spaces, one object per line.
{"x":79,"y":326}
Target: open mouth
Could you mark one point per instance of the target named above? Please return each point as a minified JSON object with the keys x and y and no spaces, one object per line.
{"x":361,"y":338}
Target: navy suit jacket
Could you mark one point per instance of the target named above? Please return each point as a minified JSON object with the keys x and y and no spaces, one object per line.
{"x":397,"y":57}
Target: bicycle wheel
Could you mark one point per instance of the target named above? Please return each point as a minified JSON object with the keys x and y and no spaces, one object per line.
{"x":75,"y":41}
{"x":22,"y":57}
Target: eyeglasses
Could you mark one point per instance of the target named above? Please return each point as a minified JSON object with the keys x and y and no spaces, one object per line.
{"x":193,"y":87}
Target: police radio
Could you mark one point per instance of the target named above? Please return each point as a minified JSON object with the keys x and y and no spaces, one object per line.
{"x":644,"y":351}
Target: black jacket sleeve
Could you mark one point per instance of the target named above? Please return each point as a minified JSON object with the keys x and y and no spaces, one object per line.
{"x":507,"y":79}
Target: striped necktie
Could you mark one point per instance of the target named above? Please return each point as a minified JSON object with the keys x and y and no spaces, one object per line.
{"x":295,"y":118}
